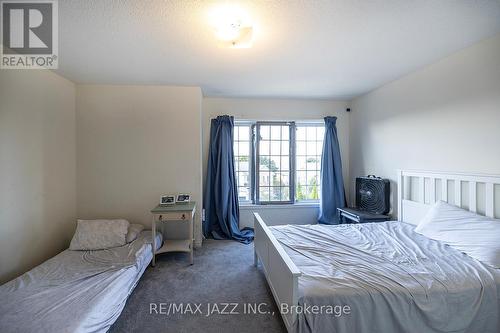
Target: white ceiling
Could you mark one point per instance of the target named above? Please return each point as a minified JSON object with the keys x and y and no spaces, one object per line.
{"x":306,"y":49}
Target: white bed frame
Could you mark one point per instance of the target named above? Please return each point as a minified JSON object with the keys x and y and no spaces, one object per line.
{"x":412,"y":210}
{"x":281,"y":273}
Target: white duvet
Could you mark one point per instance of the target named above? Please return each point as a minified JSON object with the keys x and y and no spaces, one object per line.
{"x":75,"y":291}
{"x":391,"y":278}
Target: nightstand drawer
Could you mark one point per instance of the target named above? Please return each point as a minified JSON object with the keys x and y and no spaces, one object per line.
{"x":173,"y":216}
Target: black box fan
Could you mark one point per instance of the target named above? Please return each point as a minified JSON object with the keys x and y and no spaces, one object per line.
{"x":372,"y":194}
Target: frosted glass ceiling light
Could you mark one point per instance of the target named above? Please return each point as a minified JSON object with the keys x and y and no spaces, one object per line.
{"x":232,"y":27}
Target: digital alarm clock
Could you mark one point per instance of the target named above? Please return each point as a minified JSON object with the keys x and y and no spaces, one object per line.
{"x":183,"y":198}
{"x":167,"y":200}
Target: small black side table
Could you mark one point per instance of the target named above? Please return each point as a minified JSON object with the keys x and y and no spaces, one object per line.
{"x":354,"y":215}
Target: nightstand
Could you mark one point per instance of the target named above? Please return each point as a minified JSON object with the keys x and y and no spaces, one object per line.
{"x":353,"y":215}
{"x":177,"y":212}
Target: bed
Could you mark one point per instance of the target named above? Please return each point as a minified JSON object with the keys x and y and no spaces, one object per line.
{"x":75,"y":291}
{"x":391,"y":278}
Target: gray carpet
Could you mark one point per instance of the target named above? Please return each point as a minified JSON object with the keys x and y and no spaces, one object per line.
{"x":223,"y":272}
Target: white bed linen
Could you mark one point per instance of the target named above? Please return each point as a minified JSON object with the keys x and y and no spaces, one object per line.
{"x":392,"y":279}
{"x":473,"y":234}
{"x":75,"y":291}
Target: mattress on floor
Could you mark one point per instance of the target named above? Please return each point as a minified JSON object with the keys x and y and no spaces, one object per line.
{"x":75,"y":291}
{"x":392,"y":279}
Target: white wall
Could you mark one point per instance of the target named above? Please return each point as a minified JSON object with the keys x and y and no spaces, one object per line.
{"x":134,"y":144}
{"x":444,"y":117}
{"x":278,"y":109}
{"x":37,"y":168}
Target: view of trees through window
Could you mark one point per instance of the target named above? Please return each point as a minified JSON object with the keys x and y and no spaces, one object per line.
{"x":273,"y":162}
{"x":309,"y":145}
{"x":276,"y":181}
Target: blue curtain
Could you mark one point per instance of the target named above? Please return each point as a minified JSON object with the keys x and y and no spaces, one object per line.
{"x":222,"y":212}
{"x":332,"y":194}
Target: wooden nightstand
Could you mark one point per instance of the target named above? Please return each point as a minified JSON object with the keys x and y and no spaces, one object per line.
{"x":177,"y":212}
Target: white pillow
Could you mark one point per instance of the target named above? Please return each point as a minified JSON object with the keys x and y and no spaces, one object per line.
{"x":99,"y":234}
{"x":475,"y":235}
{"x":133,"y":232}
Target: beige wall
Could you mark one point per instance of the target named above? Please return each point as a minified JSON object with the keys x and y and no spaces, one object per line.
{"x":37,"y":168}
{"x":134,"y":144}
{"x":278,"y":109}
{"x":444,"y":117}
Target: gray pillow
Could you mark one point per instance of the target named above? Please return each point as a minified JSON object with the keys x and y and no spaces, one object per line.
{"x":133,"y":231}
{"x":99,"y":234}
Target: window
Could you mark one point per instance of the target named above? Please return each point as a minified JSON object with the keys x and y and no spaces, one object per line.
{"x":309,"y":143}
{"x":274,"y":180}
{"x":242,"y":160}
{"x":278,"y":162}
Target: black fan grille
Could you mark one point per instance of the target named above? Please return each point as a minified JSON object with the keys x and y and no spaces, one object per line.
{"x":371,"y":196}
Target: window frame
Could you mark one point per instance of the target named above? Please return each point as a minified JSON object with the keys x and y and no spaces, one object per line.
{"x":254,"y":160}
{"x":291,"y":158}
{"x":251,"y":157}
{"x":309,"y":124}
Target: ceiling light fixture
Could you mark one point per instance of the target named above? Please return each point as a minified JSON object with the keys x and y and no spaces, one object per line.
{"x":232,"y":27}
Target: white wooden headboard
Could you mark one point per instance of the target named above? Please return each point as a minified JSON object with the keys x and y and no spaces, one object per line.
{"x":418,"y":190}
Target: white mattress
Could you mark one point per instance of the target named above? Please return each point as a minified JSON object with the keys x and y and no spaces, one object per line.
{"x":75,"y":291}
{"x":392,"y":279}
